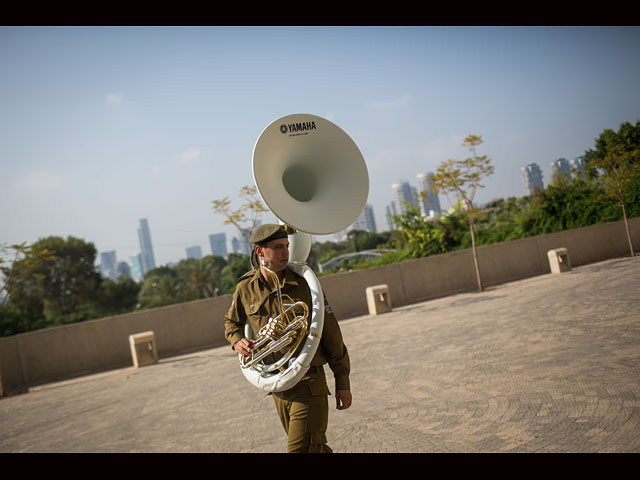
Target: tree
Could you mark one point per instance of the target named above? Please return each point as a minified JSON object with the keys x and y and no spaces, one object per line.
{"x":249,"y":212}
{"x":617,"y":170}
{"x":26,"y":265}
{"x":70,"y":279}
{"x":235,"y":268}
{"x":51,"y":283}
{"x":423,"y":237}
{"x":21,"y":309}
{"x":160,"y":287}
{"x":115,"y":298}
{"x":616,"y":162}
{"x":463,"y":178}
{"x":200,"y":278}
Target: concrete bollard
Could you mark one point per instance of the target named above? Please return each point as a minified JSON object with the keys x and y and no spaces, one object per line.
{"x":559,"y":260}
{"x":378,"y":299}
{"x":143,"y":349}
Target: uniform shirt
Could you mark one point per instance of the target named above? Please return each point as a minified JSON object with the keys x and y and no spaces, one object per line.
{"x":255,"y":302}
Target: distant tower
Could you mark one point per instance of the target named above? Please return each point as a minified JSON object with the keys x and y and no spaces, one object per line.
{"x":123,"y":270}
{"x":146,"y":248}
{"x":194,"y":252}
{"x":135,"y":262}
{"x":390,"y":211}
{"x":239,"y":246}
{"x":218,"y":243}
{"x":403,"y":192}
{"x":561,"y":167}
{"x":578,"y":164}
{"x":365,"y":221}
{"x":532,"y":178}
{"x":430,"y":202}
{"x":108,"y":265}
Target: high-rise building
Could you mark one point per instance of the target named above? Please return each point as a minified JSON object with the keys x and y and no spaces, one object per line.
{"x":135,"y":262}
{"x":403,"y":193}
{"x":146,"y":247}
{"x":194,"y":252}
{"x":123,"y":270}
{"x":532,"y":176}
{"x":390,"y":211}
{"x":108,"y":265}
{"x":218,"y":243}
{"x":561,"y":167}
{"x":239,"y":246}
{"x":365,"y":221}
{"x":578,"y":164}
{"x":429,"y":202}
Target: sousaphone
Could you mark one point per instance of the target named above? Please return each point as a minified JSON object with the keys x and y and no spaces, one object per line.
{"x":314,"y":179}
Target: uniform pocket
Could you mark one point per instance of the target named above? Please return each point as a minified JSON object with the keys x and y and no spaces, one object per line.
{"x":318,"y":388}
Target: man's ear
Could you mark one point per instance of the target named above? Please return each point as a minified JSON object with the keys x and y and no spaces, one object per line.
{"x":259,"y":251}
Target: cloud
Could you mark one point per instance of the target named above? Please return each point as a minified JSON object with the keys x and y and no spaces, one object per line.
{"x":390,"y":104}
{"x":189,"y":155}
{"x":114,"y":98}
{"x":39,"y":181}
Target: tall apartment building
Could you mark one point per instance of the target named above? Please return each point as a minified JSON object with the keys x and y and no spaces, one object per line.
{"x":578,"y":164}
{"x":429,"y":203}
{"x":135,"y":262}
{"x":403,"y":192}
{"x":240,"y":246}
{"x":532,"y":176}
{"x":390,"y":211}
{"x":146,"y":247}
{"x":218,"y":242}
{"x":365,"y":221}
{"x":194,"y":252}
{"x":123,"y":270}
{"x":108,"y":265}
{"x":561,"y":167}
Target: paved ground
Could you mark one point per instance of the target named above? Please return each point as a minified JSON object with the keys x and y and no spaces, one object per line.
{"x":547,"y":364}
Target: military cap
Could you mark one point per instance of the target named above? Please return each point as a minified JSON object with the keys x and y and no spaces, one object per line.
{"x":267,"y":232}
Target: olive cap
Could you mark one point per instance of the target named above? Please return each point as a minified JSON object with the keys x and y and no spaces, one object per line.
{"x":267,"y":232}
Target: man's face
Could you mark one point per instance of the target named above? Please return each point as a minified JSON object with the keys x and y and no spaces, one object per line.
{"x":276,"y":252}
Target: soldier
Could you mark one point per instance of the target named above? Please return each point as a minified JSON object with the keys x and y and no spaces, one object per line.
{"x":304,"y":408}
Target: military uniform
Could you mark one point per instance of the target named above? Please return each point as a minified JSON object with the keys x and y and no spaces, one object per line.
{"x":303,"y":409}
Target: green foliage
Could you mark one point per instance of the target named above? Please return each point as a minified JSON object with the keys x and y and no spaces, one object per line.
{"x":115,"y":298}
{"x":191,"y":279}
{"x":423,"y":237}
{"x":57,"y":284}
{"x":625,"y":140}
{"x":237,"y":265}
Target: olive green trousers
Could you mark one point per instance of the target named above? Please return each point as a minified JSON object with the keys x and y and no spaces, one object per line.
{"x":304,"y":413}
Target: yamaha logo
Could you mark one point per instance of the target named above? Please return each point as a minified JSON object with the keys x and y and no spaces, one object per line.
{"x":300,"y":128}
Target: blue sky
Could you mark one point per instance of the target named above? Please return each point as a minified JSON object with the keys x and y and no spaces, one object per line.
{"x":102,"y":126}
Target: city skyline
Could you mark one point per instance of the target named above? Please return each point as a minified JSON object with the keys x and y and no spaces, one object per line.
{"x":103,"y":126}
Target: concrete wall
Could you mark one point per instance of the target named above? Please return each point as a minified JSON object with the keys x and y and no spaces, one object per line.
{"x":95,"y":345}
{"x":62,"y":352}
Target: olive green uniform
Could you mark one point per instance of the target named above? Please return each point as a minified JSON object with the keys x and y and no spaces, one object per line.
{"x":303,"y":409}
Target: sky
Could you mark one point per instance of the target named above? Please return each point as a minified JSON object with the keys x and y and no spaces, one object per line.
{"x":103,"y":126}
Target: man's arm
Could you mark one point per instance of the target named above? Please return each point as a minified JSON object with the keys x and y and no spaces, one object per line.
{"x":234,"y":322}
{"x":337,"y":357}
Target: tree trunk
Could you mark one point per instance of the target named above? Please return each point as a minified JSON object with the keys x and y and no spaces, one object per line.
{"x":475,"y":251}
{"x":626,"y":226}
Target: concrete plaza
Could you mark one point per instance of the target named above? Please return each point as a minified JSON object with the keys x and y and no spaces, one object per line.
{"x":546,"y":364}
